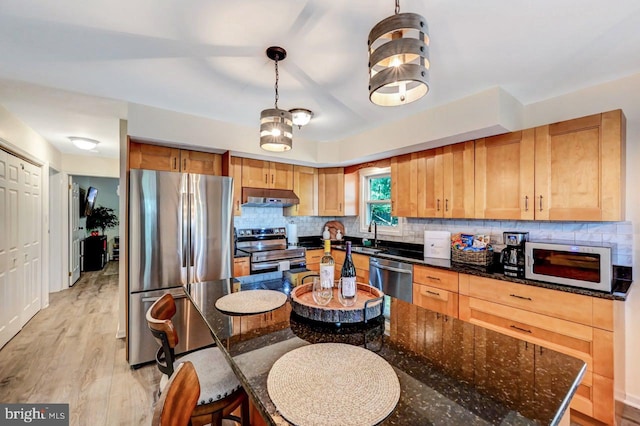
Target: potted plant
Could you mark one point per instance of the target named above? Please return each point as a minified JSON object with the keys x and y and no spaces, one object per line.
{"x":101,"y":218}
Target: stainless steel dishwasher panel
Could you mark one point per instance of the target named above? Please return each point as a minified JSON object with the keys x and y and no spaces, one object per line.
{"x":393,"y":278}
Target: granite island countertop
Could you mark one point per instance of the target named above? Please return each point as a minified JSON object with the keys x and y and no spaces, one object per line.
{"x":450,"y":371}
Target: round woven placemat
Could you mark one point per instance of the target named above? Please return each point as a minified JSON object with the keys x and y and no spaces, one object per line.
{"x":251,"y":302}
{"x":333,"y":384}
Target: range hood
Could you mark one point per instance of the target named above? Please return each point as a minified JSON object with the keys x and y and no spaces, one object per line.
{"x":260,"y":197}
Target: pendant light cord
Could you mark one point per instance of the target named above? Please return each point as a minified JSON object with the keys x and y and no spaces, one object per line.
{"x":277,"y":78}
{"x":397,"y":6}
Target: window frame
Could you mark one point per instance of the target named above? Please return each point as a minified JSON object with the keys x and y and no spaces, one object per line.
{"x":365,"y":175}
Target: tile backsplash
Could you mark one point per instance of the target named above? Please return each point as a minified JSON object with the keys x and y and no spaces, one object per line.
{"x":620,"y":234}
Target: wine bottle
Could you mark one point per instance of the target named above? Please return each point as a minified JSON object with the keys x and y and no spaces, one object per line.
{"x":348,"y":279}
{"x":327,"y":266}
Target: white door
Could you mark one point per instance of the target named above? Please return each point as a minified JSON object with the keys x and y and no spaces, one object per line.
{"x":30,"y":239}
{"x":10,"y":264}
{"x":74,"y":232}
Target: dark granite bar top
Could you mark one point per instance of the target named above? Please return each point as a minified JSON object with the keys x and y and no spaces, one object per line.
{"x":450,"y":371}
{"x":412,"y":253}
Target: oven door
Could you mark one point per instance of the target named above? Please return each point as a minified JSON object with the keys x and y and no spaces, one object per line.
{"x":573,"y":265}
{"x":278,"y":265}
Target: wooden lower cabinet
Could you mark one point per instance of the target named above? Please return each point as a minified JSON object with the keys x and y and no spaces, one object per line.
{"x":564,"y":322}
{"x":241,"y":267}
{"x":436,"y":289}
{"x":360,"y":261}
{"x":313,"y":258}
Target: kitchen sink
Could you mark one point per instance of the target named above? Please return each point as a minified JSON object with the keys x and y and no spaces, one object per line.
{"x":366,"y":250}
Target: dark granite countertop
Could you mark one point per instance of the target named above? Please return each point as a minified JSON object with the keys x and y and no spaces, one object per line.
{"x":412,"y":253}
{"x":450,"y":371}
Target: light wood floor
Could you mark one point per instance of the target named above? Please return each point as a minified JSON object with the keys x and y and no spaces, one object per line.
{"x":68,"y":353}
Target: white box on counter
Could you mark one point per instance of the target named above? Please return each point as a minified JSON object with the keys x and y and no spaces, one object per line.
{"x":437,"y":244}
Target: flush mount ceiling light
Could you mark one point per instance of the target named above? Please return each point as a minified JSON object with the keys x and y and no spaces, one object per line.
{"x":276,"y":126}
{"x":399,"y":59}
{"x":301,"y":116}
{"x":84,"y":143}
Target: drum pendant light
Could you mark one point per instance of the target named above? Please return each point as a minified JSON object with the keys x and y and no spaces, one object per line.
{"x":399,"y":59}
{"x":276,"y":125}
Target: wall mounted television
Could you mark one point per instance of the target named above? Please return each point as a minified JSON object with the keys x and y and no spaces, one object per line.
{"x":90,"y":200}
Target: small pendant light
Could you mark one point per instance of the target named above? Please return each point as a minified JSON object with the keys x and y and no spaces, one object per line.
{"x":276,"y":125}
{"x":399,"y":59}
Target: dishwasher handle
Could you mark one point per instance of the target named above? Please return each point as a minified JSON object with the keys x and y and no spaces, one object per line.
{"x":389,"y":268}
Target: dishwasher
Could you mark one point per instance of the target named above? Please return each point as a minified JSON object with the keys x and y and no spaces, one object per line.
{"x":393,"y":278}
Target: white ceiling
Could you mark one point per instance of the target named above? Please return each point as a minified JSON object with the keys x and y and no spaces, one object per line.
{"x":69,"y":68}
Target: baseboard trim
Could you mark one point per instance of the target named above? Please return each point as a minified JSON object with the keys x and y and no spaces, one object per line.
{"x":120,"y":334}
{"x":632,"y":401}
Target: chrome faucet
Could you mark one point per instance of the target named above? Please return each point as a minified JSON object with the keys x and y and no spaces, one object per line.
{"x":375,"y":232}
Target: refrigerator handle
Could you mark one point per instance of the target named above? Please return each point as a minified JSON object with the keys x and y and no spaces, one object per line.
{"x":192,"y":201}
{"x":185,"y":225}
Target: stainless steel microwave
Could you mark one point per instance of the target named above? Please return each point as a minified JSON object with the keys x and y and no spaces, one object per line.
{"x":569,"y":264}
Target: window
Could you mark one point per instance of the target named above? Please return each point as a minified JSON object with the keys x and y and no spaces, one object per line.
{"x":376,"y":201}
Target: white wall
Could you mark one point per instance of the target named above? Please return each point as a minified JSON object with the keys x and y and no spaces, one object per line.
{"x":84,"y":165}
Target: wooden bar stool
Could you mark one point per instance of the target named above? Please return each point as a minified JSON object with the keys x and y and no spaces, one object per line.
{"x":180,"y":396}
{"x":220,"y":391}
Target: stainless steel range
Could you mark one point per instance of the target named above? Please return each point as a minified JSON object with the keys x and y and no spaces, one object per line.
{"x":268,"y":250}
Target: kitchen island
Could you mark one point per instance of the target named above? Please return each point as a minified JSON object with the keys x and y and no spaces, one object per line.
{"x":450,"y":371}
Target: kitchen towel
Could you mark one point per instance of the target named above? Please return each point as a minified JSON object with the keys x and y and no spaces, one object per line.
{"x":284,"y":265}
{"x":292,"y":234}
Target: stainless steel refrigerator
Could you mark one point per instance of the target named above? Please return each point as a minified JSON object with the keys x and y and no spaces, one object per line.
{"x":180,"y":232}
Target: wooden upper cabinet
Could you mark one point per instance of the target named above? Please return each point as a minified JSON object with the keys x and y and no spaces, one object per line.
{"x":331,"y":191}
{"x":404,"y":190}
{"x":351,"y":193}
{"x":163,"y":158}
{"x":579,"y":169}
{"x":153,"y":157}
{"x":255,"y":173}
{"x":204,"y":163}
{"x":504,"y":176}
{"x":235,"y":171}
{"x":305,"y":186}
{"x":445,"y":181}
{"x":430,"y":183}
{"x":266,"y":174}
{"x":458,"y":180}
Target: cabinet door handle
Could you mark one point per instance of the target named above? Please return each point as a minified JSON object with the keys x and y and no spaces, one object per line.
{"x":446,"y":204}
{"x":340,"y":207}
{"x":184,"y":165}
{"x":432,"y":292}
{"x":238,"y":205}
{"x":541,"y":203}
{"x":526,"y":203}
{"x":266,"y":178}
{"x":433,"y":278}
{"x":524,"y":330}
{"x":438,"y":204}
{"x":272,"y":178}
{"x":521,"y":297}
{"x":175,"y":163}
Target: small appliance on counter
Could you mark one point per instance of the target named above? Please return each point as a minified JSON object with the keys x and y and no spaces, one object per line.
{"x":437,"y":244}
{"x":572,"y":264}
{"x":292,"y":234}
{"x":512,"y":257}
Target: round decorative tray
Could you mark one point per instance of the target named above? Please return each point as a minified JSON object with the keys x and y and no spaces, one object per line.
{"x":368,"y":305}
